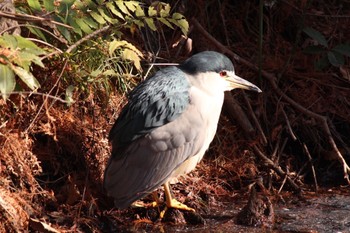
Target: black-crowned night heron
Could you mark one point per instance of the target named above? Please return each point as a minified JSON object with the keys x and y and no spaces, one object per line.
{"x":167,"y":125}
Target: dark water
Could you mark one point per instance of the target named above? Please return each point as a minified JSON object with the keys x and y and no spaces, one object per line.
{"x":322,"y":214}
{"x":330,"y":213}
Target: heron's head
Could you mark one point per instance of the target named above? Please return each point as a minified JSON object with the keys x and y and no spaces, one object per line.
{"x":215,"y":70}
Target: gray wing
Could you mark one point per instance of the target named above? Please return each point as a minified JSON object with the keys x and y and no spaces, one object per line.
{"x":155,"y":102}
{"x":150,"y":160}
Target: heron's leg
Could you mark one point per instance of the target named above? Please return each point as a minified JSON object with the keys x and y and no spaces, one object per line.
{"x":172,"y":202}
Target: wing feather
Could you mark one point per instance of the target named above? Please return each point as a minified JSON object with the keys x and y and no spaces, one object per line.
{"x":141,"y":170}
{"x":153,"y":103}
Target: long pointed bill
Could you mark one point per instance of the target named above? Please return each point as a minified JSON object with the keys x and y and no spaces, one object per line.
{"x":238,"y":82}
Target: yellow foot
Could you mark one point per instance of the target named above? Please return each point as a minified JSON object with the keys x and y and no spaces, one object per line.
{"x":173,"y":203}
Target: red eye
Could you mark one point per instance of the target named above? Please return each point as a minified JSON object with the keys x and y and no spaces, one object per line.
{"x":223,"y":73}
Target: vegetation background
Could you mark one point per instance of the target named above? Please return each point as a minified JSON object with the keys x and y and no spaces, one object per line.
{"x":66,"y":66}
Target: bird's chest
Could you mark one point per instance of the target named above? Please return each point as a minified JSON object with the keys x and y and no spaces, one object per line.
{"x":207,"y":110}
{"x":209,"y":107}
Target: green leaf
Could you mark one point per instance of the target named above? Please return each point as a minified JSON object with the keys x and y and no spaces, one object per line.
{"x":81,"y":6}
{"x":131,"y":5}
{"x":91,"y":4}
{"x":34,"y":4}
{"x":89,"y":21}
{"x":7,"y":81}
{"x":38,"y":62}
{"x":65,"y":32}
{"x":26,"y":77}
{"x":97,"y":17}
{"x":334,"y":59}
{"x":342,"y":49}
{"x":37,"y":32}
{"x":9,"y":41}
{"x":49,"y":5}
{"x":63,"y":9}
{"x":316,"y":35}
{"x":27,"y":44}
{"x":340,"y":58}
{"x":71,"y":21}
{"x":178,"y":16}
{"x":24,"y":59}
{"x":139,"y":12}
{"x":183,"y":24}
{"x":166,"y":22}
{"x":114,"y":10}
{"x":69,"y":3}
{"x":122,"y":7}
{"x":150,"y":23}
{"x":114,"y":45}
{"x":138,"y":23}
{"x":96,"y":73}
{"x":165,"y":10}
{"x":106,"y":17}
{"x":34,"y":51}
{"x":129,"y":52}
{"x":321,"y":63}
{"x":314,"y":49}
{"x":151,"y":11}
{"x":83,"y":26}
{"x":131,"y":55}
{"x":180,"y":21}
{"x":109,"y":73}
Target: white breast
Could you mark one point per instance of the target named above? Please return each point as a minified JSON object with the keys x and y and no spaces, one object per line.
{"x":209,"y":103}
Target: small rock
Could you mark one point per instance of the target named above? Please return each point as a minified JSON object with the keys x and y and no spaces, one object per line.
{"x":258,"y":211}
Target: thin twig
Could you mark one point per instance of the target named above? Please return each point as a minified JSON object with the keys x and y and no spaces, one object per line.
{"x":152,"y":65}
{"x":79,"y":42}
{"x":164,"y":64}
{"x":290,"y":130}
{"x":45,"y":43}
{"x":255,"y":119}
{"x":87,"y":37}
{"x":312,"y":166}
{"x":269,"y":163}
{"x":38,"y":93}
{"x":33,"y":26}
{"x":275,"y":150}
{"x":281,"y":150}
{"x":28,"y":18}
{"x":283,"y":182}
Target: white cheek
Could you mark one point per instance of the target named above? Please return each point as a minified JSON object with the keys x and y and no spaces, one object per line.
{"x":224,"y":85}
